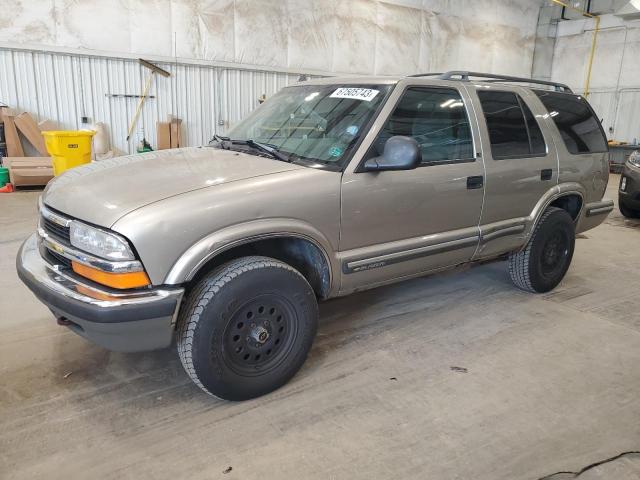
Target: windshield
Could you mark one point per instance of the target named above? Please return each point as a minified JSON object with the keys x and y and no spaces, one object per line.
{"x":322,"y":123}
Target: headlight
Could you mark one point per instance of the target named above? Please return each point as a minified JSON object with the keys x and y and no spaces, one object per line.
{"x":634,"y":158}
{"x":99,"y":242}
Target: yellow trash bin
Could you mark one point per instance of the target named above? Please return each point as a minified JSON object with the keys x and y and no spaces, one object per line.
{"x":68,"y":148}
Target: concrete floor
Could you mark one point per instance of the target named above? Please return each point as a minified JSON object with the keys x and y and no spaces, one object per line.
{"x":541,"y":384}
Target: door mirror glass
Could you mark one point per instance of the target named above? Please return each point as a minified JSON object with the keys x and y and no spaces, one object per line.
{"x":400,"y":153}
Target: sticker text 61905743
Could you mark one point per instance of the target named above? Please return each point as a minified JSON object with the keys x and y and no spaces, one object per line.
{"x":366,"y":94}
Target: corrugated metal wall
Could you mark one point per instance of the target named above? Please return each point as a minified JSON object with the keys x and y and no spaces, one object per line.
{"x":64,"y":88}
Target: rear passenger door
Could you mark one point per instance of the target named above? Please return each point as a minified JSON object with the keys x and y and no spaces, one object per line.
{"x":521,"y":165}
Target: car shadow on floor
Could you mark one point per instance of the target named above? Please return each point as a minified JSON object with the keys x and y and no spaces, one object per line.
{"x":87,"y":376}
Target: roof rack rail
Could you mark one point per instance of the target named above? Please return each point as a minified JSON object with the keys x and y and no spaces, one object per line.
{"x":464,"y":76}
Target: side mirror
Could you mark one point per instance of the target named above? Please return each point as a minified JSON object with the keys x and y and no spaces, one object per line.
{"x":400,"y":153}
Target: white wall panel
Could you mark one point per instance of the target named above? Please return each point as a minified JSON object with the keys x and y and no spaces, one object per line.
{"x":628,"y":118}
{"x":615,"y":80}
{"x":618,"y":110}
{"x":45,"y":79}
{"x":325,"y":36}
{"x":25,"y":84}
{"x":64,"y":88}
{"x":8,"y":88}
{"x":230,"y":52}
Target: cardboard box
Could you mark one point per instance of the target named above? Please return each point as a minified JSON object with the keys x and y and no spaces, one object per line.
{"x":46,"y":125}
{"x":164,"y":135}
{"x":14,"y":146}
{"x":29,"y":171}
{"x":176,"y":134}
{"x":29,"y":128}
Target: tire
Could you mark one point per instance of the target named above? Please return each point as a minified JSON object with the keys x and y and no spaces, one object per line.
{"x":542,"y":264}
{"x":626,"y":211}
{"x":247,"y":327}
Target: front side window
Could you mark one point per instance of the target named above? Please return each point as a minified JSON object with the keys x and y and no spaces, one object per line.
{"x":513,"y":130}
{"x":437,"y":119}
{"x":579,"y":127}
{"x":321,"y":123}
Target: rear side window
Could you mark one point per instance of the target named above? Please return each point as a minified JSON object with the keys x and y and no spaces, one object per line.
{"x":513,"y":130}
{"x":578,"y":125}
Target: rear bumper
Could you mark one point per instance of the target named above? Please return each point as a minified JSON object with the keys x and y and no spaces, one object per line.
{"x":119,"y":321}
{"x":603,"y":207}
{"x":594,"y":214}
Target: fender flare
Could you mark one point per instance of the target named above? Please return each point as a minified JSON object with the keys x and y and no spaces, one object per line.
{"x":558,"y":191}
{"x":198,"y":254}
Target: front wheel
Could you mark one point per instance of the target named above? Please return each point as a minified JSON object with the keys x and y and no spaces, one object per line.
{"x":247,"y":327}
{"x":542,"y":264}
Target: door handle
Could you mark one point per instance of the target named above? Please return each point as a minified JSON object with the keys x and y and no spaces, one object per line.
{"x":546,"y":174}
{"x":475,"y":182}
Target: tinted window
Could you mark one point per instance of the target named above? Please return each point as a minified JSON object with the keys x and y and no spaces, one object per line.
{"x":580,"y":129}
{"x":537,"y":147}
{"x":513,"y":131}
{"x":437,"y":119}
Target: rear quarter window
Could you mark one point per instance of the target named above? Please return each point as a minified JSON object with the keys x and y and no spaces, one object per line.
{"x":513,"y":131}
{"x":579,"y":127}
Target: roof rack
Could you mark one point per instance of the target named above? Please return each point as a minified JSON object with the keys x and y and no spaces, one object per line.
{"x":464,"y":76}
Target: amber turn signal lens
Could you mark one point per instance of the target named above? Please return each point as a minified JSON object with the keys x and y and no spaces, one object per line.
{"x":113,"y":280}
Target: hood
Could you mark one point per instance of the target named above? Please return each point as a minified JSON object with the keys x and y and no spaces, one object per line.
{"x":104,"y":191}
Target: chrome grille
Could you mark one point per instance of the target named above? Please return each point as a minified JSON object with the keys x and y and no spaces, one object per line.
{"x":55,"y":258}
{"x":58,"y":231}
{"x":55,"y":227}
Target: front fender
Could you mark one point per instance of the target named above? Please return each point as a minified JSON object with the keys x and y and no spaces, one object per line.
{"x":185,"y":268}
{"x":173,"y":235}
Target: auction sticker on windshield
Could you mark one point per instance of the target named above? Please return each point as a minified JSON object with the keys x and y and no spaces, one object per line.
{"x":366,"y":94}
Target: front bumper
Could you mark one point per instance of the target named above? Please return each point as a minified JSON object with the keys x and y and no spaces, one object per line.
{"x":120,"y":321}
{"x":630,"y":196}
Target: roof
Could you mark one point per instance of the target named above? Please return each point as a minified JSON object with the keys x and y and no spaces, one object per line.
{"x":454,"y":75}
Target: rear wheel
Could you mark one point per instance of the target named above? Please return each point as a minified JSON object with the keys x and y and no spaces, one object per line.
{"x":542,"y":264}
{"x":247,"y":328}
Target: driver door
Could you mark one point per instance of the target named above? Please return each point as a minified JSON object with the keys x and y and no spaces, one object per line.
{"x":401,"y":223}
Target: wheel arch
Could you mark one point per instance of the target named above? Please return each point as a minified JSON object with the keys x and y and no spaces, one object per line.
{"x":567,"y":196}
{"x":306,"y":251}
{"x":570,"y":202}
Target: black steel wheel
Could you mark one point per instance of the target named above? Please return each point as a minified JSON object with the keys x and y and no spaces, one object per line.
{"x":544,"y":261}
{"x":553,"y":257}
{"x":260,"y":335}
{"x":247,"y":327}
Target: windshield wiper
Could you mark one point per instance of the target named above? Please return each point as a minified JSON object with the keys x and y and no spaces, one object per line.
{"x":271,"y":150}
{"x":219,"y":138}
